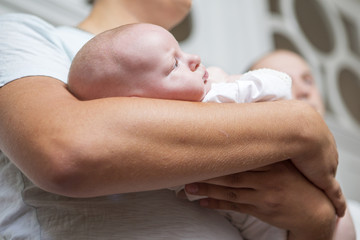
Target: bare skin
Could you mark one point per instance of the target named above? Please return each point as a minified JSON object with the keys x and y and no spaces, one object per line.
{"x":112,"y":139}
{"x":50,"y":142}
{"x":152,"y":66}
{"x":265,"y":191}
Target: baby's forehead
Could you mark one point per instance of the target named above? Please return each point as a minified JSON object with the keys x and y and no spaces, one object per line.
{"x":153,"y":41}
{"x":142,"y":45}
{"x":153,"y":35}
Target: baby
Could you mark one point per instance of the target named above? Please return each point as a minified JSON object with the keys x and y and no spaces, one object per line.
{"x":144,"y":60}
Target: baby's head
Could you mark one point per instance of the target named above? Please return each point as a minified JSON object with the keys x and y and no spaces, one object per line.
{"x":303,"y":84}
{"x":137,"y":60}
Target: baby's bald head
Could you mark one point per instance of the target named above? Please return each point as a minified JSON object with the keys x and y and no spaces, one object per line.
{"x":113,"y":63}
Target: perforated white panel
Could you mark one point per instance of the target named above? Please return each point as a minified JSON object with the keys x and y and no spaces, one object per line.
{"x":332,"y":49}
{"x":327,"y":34}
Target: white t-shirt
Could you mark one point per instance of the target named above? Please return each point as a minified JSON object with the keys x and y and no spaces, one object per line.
{"x":32,"y":47}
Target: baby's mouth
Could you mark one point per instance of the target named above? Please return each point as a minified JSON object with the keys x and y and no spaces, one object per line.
{"x":205,"y":77}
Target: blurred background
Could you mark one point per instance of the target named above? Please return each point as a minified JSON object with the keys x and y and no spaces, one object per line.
{"x":232,"y":34}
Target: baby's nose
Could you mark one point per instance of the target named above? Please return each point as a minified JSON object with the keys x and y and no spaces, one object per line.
{"x":194,"y":62}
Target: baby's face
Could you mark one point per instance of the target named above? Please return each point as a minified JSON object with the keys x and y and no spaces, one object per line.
{"x":168,"y":72}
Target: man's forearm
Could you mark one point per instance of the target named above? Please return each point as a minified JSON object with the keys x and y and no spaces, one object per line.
{"x":156,"y":147}
{"x":113,"y":145}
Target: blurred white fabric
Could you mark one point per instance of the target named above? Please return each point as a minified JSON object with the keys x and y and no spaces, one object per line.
{"x":354,"y":208}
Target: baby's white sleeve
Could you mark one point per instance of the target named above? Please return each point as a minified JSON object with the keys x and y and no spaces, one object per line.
{"x":254,"y":86}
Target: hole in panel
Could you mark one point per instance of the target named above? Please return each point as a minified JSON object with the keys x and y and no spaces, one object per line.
{"x":352,"y":37}
{"x":314,"y":24}
{"x":349,"y":87}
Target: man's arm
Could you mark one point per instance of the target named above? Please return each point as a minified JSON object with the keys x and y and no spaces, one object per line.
{"x":91,"y":148}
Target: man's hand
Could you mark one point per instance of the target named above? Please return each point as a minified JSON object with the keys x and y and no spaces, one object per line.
{"x":277,"y":194}
{"x":319,"y":165}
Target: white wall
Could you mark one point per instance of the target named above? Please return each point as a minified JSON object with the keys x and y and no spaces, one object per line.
{"x":228,"y":35}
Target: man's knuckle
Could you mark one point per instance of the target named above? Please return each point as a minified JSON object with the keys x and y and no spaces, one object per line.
{"x":272,"y":203}
{"x":338,"y":193}
{"x":231,"y":196}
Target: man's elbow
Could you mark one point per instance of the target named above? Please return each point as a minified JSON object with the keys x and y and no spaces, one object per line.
{"x":58,"y":177}
{"x":63,"y":172}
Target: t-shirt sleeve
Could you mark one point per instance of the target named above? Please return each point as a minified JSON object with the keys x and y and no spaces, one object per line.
{"x":255,"y":86}
{"x":30,"y":47}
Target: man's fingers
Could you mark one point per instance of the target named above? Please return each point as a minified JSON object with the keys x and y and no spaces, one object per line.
{"x":238,"y":180}
{"x":237,"y":195}
{"x":337,"y":198}
{"x":226,"y":205}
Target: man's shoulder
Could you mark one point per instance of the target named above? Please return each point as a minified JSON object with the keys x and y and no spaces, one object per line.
{"x":25,"y":20}
{"x":30,"y":42}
